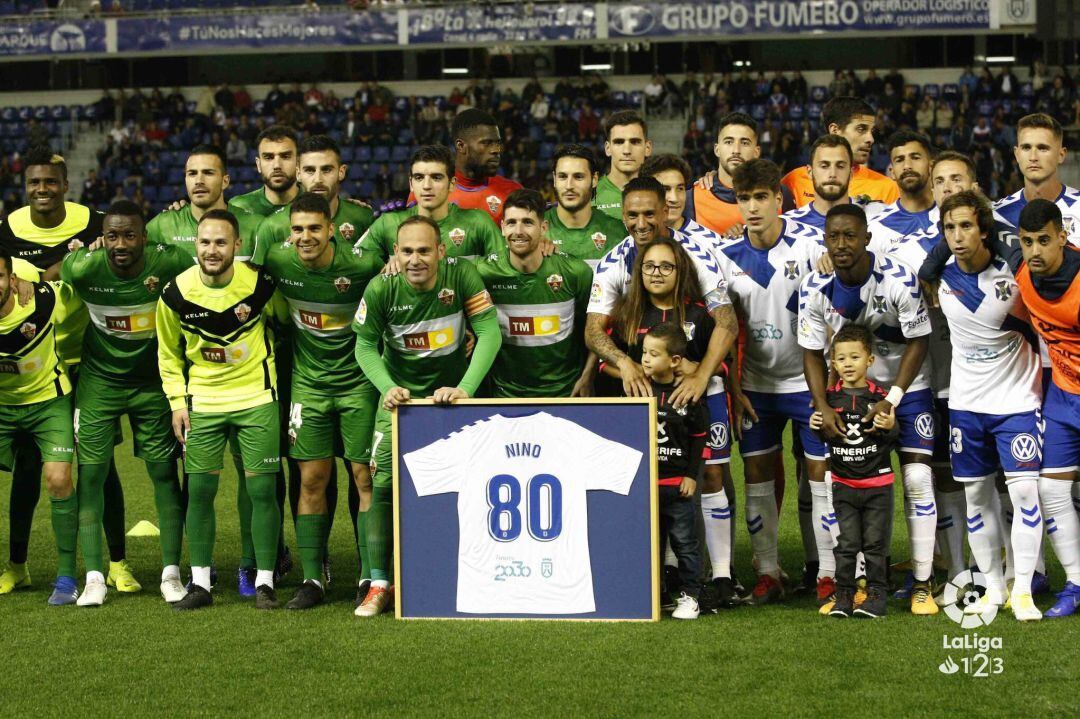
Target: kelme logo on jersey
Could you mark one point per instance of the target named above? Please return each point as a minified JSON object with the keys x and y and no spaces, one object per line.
{"x":28,"y":330}
{"x":534,"y":326}
{"x":446,"y":296}
{"x":599,"y":239}
{"x":457,"y":236}
{"x":151,"y":284}
{"x":432,"y":340}
{"x":233,"y":354}
{"x":791,"y":269}
{"x":493,"y":203}
{"x":1003,"y":290}
{"x":242,"y":311}
{"x":877,"y":303}
{"x":347,"y":230}
{"x":342,"y":284}
{"x":555,"y":282}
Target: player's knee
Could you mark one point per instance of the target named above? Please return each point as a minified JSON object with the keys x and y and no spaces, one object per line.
{"x":57,"y":477}
{"x":202,"y":488}
{"x":713,"y":480}
{"x":262,"y":488}
{"x":918,"y":482}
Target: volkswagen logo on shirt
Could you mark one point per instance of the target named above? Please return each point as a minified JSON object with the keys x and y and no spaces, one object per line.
{"x":924,"y":425}
{"x":1024,"y":447}
{"x":718,"y":435}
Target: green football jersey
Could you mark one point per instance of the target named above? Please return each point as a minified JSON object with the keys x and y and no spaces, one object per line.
{"x":121,"y":342}
{"x":468,"y":234}
{"x":321,"y":305}
{"x":180,"y":228}
{"x":589,"y":243}
{"x":542,"y":320}
{"x":254,"y":202}
{"x":350,"y":222}
{"x":423,"y":333}
{"x":608,"y":198}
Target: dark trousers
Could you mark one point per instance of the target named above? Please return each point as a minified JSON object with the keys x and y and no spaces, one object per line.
{"x":865,"y":519}
{"x":677,"y":524}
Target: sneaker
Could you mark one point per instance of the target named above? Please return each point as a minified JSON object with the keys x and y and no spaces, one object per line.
{"x":843,"y":606}
{"x":826,"y":589}
{"x":686,"y":607}
{"x":213,"y":579}
{"x":362,"y":589}
{"x":93,"y":594}
{"x":196,"y":598}
{"x":284,"y":566}
{"x":376,"y":602}
{"x":14,"y":576}
{"x":1024,"y":609}
{"x":265,"y":597}
{"x":767,"y":590}
{"x":988,"y":602}
{"x":172,"y":590}
{"x":904,"y":592}
{"x":874,"y":607}
{"x":922,"y":600}
{"x":64,"y":592}
{"x":809,"y":577}
{"x":326,"y":571}
{"x":307,"y":596}
{"x":1040,"y":584}
{"x":1068,"y":601}
{"x":245,"y":581}
{"x":121,"y":577}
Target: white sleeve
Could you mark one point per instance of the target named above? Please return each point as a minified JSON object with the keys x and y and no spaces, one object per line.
{"x":438,"y":467}
{"x":813,"y":332}
{"x":914,"y":318}
{"x":710,"y":277}
{"x":606,"y":465}
{"x":609,"y":279}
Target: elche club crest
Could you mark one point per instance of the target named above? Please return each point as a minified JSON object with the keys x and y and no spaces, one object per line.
{"x":555,"y":282}
{"x":493,"y":203}
{"x":347,"y":230}
{"x":151,"y":283}
{"x":242,"y":311}
{"x":457,"y":236}
{"x":1002,"y":290}
{"x":446,"y":295}
{"x":599,"y":239}
{"x":342,"y":284}
{"x":28,"y":330}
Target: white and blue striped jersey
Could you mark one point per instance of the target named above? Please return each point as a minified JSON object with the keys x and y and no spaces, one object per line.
{"x":764,"y":287}
{"x":894,"y":223}
{"x":995,"y":361}
{"x":889,"y":304}
{"x":1009,"y":208}
{"x":612,"y":276}
{"x":701,"y":234}
{"x":808,"y":214}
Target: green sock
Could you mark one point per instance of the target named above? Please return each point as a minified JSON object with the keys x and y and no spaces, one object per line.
{"x":380,"y":532}
{"x":112,"y":516}
{"x":166,"y":483}
{"x":25,"y":493}
{"x":310,"y":531}
{"x":331,"y":505}
{"x":65,"y":524}
{"x":361,"y":545}
{"x":265,"y":519}
{"x":281,"y":489}
{"x":243,"y":510}
{"x":89,"y":490}
{"x":201,"y":522}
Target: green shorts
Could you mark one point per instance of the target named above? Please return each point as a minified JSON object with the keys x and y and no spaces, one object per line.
{"x":50,"y":424}
{"x":256,"y":431}
{"x":321,"y":427}
{"x":382,"y":448}
{"x":100,"y":403}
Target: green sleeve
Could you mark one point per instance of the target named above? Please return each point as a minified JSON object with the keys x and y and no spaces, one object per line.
{"x":251,"y":249}
{"x":279,"y":313}
{"x":488,"y":342}
{"x":271,"y":231}
{"x":67,"y":304}
{"x":65,"y":266}
{"x":583,"y":278}
{"x":154,"y":235}
{"x":374,"y":240}
{"x":494,"y":243}
{"x":171,"y":356}
{"x":368,"y":325}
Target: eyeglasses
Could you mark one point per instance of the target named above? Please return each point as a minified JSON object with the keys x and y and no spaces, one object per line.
{"x":663,"y":269}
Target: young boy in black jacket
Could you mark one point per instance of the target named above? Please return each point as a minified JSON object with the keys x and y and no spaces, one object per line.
{"x":862,"y":475}
{"x":681,"y":453}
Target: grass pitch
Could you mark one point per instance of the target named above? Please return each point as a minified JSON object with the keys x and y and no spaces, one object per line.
{"x":136,"y":656}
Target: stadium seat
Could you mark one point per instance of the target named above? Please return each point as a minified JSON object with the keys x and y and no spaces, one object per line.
{"x":25,"y":113}
{"x":819,"y":93}
{"x":932,"y":90}
{"x":813,"y":111}
{"x":637,"y":97}
{"x":950,"y":91}
{"x":363,"y":153}
{"x":347,"y":153}
{"x":381,"y":154}
{"x":175,"y":177}
{"x":796,"y":112}
{"x":400,"y":153}
{"x":757,"y":112}
{"x":1027,"y":90}
{"x":356,"y":172}
{"x":367,"y":188}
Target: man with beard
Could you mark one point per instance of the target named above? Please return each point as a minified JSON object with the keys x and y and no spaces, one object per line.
{"x":910,"y":157}
{"x":275,"y":159}
{"x":627,"y":143}
{"x":831,"y":166}
{"x":574,"y":225}
{"x":120,"y":285}
{"x":712,"y":202}
{"x":854,"y":120}
{"x":217,"y":369}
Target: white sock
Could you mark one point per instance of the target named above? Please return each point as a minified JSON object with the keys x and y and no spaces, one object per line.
{"x":316,"y":582}
{"x":170,"y":572}
{"x":806,"y":521}
{"x":952,"y":508}
{"x":717,"y":517}
{"x":264,"y":577}
{"x":670,"y":560}
{"x":860,"y":565}
{"x":984,"y":532}
{"x":1006,"y":518}
{"x":921,"y":511}
{"x":94,"y":576}
{"x":381,"y":583}
{"x":761,"y":522}
{"x":824,"y":521}
{"x":1055,"y":496}
{"x":201,"y":577}
{"x":1027,"y":530}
